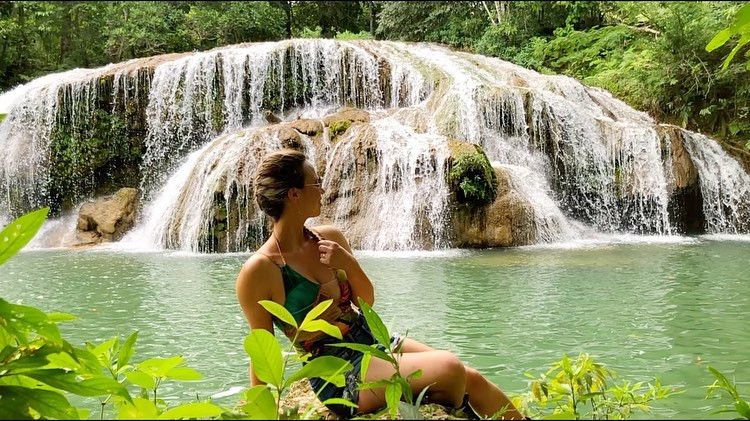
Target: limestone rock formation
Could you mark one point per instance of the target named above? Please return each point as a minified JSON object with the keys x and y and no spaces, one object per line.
{"x":107,"y":218}
{"x":507,"y":221}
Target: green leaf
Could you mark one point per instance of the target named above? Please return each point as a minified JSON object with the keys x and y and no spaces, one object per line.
{"x":719,"y":39}
{"x":365,"y":349}
{"x":141,"y":379}
{"x":567,"y":415}
{"x":60,"y":317}
{"x":18,"y":401}
{"x":326,"y":367}
{"x":265,"y":356}
{"x":340,"y":401}
{"x":140,"y":409}
{"x":184,"y":374}
{"x":364,"y":365}
{"x":63,"y":380}
{"x":159,"y":367}
{"x":192,"y":410}
{"x":392,"y":398}
{"x":321,"y":325}
{"x":742,"y":408}
{"x":279,"y":311}
{"x":260,"y":404}
{"x":19,"y":232}
{"x":126,"y":351}
{"x":315,"y":312}
{"x":741,"y":43}
{"x":379,"y":331}
{"x":408,"y":411}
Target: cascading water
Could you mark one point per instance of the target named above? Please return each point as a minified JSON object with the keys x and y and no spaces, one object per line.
{"x":193,"y":127}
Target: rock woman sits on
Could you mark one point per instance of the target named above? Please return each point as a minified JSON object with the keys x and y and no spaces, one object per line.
{"x":299,"y":267}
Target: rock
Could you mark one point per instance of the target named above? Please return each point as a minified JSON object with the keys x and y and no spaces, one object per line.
{"x":301,"y":398}
{"x":271,"y":117}
{"x":108,"y":218}
{"x":307,"y":126}
{"x":347,"y":114}
{"x":684,"y":172}
{"x":471,"y":177}
{"x":290,"y":138}
{"x":507,"y":221}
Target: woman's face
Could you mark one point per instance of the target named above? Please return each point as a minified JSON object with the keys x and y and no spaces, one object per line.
{"x":311,"y":194}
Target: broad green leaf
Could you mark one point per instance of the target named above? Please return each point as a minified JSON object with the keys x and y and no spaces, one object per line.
{"x":126,"y":352}
{"x":60,"y":317}
{"x":392,"y":398}
{"x":29,"y":362}
{"x":741,"y":43}
{"x":265,"y":356}
{"x":16,"y":402}
{"x":192,"y":410}
{"x":141,"y":379}
{"x":140,"y":409}
{"x":374,"y":385}
{"x":415,"y":375}
{"x":26,"y":319}
{"x":19,"y":232}
{"x":259,"y":404}
{"x":315,"y":312}
{"x":321,"y":325}
{"x":159,"y":367}
{"x":379,"y":331}
{"x":365,"y":349}
{"x":326,"y":367}
{"x":742,"y":17}
{"x":340,"y":401}
{"x":105,"y":348}
{"x":184,"y":374}
{"x":279,"y":311}
{"x":63,"y":380}
{"x":719,"y":39}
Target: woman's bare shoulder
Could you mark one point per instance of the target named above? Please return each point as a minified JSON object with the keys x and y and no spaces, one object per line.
{"x":257,"y":269}
{"x":332,"y":233}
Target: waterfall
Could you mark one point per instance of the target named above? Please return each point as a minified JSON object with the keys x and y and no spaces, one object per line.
{"x":190,"y":128}
{"x":725,"y":186}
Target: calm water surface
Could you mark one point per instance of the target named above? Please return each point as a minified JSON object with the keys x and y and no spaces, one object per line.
{"x":645,"y":310}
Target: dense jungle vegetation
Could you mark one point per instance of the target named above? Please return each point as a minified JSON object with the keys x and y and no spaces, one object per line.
{"x":650,"y":54}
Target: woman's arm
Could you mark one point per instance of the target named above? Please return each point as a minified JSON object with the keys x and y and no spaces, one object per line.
{"x":253,"y":284}
{"x":337,"y":253}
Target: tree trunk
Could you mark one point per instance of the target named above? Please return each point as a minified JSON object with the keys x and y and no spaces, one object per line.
{"x":65,"y":27}
{"x":287,"y":5}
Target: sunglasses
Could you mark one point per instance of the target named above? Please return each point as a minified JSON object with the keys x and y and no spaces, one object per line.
{"x":318,"y":184}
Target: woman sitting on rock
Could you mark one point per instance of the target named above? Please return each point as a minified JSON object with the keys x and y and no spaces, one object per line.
{"x":297,"y":267}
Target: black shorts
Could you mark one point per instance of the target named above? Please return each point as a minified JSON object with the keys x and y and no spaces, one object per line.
{"x":359,"y":333}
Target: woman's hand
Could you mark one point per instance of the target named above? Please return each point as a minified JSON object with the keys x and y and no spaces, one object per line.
{"x":333,"y":255}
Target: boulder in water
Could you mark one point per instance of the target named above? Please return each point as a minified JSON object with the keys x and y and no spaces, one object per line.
{"x":507,"y":221}
{"x":307,"y":126}
{"x":107,"y":218}
{"x":339,"y":122}
{"x":471,"y":177}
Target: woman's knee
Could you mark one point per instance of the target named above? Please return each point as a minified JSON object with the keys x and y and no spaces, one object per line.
{"x":474,"y":379}
{"x":452,"y":369}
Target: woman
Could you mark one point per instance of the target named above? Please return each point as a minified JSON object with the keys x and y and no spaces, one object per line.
{"x":299,"y":267}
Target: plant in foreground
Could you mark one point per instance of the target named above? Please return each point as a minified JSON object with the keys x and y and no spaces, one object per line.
{"x":740,"y":406}
{"x":585,"y":389}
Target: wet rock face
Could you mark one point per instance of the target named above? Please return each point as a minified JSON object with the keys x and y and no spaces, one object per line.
{"x":507,"y":221}
{"x":107,"y":218}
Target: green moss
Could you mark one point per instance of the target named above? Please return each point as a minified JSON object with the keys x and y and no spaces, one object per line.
{"x":2,"y":117}
{"x":471,"y":176}
{"x":338,"y":127}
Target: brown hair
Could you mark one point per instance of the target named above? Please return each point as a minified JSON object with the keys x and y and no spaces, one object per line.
{"x":277,"y":173}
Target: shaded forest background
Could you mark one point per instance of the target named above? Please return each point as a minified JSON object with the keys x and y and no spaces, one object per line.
{"x":649,"y":54}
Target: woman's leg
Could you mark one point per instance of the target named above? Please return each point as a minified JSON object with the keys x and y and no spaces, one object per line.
{"x":484,"y":396}
{"x":440,"y":369}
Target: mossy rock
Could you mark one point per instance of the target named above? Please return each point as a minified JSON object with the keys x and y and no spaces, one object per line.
{"x":339,"y":127}
{"x":471,"y":176}
{"x":2,"y":117}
